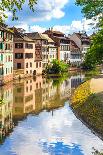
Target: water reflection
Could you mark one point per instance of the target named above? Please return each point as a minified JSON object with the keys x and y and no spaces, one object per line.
{"x":6,"y":105}
{"x":35,"y":119}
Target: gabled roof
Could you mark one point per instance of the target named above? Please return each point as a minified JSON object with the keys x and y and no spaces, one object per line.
{"x":35,"y":36}
{"x":73,"y":44}
{"x":82,"y":35}
{"x":18,"y":36}
{"x":58,"y":32}
{"x":47,"y":38}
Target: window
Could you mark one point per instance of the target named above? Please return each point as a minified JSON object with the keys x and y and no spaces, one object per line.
{"x":26,"y":65}
{"x":18,"y":45}
{"x":28,"y":98}
{"x":19,"y":90}
{"x":6,"y":70}
{"x":9,"y":58}
{"x":18,"y":65}
{"x":7,"y":46}
{"x":1,"y":57}
{"x":28,"y":55}
{"x":2,"y":34}
{"x":30,"y":71}
{"x":31,"y":88}
{"x":37,"y":85}
{"x":1,"y":71}
{"x":26,"y":72}
{"x":18,"y":55}
{"x":40,"y":84}
{"x":29,"y":46}
{"x":26,"y":89}
{"x":30,"y":64}
{"x":18,"y":99}
{"x":40,"y":64}
{"x":36,"y":64}
{"x":1,"y":46}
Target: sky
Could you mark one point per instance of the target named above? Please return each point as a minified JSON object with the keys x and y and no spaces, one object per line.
{"x":62,"y":15}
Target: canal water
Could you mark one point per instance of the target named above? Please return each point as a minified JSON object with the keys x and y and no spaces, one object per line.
{"x":36,"y":119}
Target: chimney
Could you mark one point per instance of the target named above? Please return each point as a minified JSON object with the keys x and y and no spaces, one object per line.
{"x":51,"y":28}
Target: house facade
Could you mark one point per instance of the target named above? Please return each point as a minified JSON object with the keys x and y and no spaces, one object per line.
{"x":51,"y":50}
{"x":75,"y":54}
{"x":6,"y":99}
{"x":82,"y":40}
{"x":62,"y":43}
{"x":6,"y":54}
{"x":24,"y":54}
{"x":40,"y":45}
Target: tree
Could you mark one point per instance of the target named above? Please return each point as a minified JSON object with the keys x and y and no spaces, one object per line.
{"x":94,"y":56}
{"x":13,"y":6}
{"x":94,"y":9}
{"x":57,"y":67}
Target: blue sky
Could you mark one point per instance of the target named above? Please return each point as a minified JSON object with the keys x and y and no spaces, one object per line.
{"x":62,"y":15}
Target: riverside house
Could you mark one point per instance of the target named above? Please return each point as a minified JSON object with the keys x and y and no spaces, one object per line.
{"x":52,"y":49}
{"x":40,"y":47}
{"x":82,"y":40}
{"x":62,"y":43}
{"x":75,"y":54}
{"x":6,"y":54}
{"x":24,"y":54}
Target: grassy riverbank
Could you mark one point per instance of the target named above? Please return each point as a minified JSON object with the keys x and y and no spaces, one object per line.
{"x":87,"y":104}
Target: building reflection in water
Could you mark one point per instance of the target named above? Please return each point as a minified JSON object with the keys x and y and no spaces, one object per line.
{"x":31,"y":96}
{"x":6,"y":105}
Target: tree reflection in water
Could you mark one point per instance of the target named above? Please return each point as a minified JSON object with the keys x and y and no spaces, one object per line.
{"x":40,"y":122}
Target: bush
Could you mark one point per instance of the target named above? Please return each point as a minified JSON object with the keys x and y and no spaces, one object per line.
{"x":57,"y":67}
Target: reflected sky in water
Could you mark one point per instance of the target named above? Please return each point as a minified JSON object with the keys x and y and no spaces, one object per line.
{"x":37,"y":120}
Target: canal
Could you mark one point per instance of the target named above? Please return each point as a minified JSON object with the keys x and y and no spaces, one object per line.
{"x":36,"y":118}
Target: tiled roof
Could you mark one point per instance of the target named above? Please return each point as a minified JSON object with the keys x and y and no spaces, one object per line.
{"x":35,"y":36}
{"x":47,"y":38}
{"x":82,"y":36}
{"x":18,"y":36}
{"x":58,"y":32}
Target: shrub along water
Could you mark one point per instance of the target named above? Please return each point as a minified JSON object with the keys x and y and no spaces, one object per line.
{"x":88,"y":106}
{"x":57,"y":67}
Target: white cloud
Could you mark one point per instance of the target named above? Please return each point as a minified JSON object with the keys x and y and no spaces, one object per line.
{"x":50,"y":9}
{"x":75,"y":26}
{"x":63,"y":127}
{"x":44,"y":11}
{"x":37,"y":28}
{"x":34,"y":28}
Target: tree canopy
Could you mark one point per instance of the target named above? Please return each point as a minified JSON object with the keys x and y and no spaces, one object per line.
{"x":94,"y":9}
{"x":13,"y":6}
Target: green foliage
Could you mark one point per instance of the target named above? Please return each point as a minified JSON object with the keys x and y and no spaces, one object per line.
{"x":90,"y":109}
{"x":2,"y":101}
{"x":96,"y":49}
{"x":94,"y":55}
{"x":92,"y":8}
{"x":59,"y":80}
{"x":13,"y":6}
{"x":57,"y":67}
